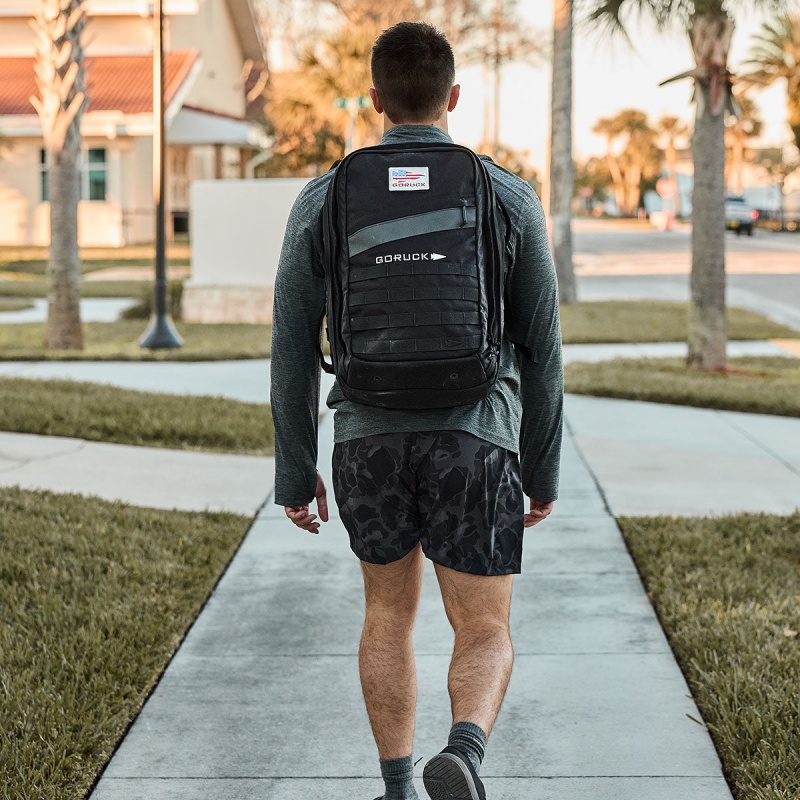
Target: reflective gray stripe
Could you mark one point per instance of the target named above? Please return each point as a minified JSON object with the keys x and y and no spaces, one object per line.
{"x":446,"y":219}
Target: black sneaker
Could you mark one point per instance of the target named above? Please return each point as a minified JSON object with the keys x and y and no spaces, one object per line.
{"x":449,"y":775}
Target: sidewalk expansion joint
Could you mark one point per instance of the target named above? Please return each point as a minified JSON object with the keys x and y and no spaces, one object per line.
{"x":768,"y":450}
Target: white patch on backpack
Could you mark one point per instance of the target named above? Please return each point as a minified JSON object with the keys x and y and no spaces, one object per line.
{"x":408,"y":179}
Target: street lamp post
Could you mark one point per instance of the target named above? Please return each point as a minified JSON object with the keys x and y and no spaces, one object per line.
{"x":161,"y":331}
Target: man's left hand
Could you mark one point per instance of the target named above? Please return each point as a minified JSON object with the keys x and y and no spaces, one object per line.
{"x":539,"y":511}
{"x":301,"y":516}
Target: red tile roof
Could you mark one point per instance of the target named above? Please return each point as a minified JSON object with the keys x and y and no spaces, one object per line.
{"x":115,"y":83}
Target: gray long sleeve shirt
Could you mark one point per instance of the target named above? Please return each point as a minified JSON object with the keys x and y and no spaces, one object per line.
{"x":523,"y":412}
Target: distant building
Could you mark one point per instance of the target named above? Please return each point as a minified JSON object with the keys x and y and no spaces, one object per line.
{"x":208,"y":44}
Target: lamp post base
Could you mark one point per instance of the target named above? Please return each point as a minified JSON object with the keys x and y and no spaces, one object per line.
{"x":160,"y":334}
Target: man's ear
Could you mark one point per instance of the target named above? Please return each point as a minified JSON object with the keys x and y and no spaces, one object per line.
{"x":455,"y":93}
{"x":376,"y":101}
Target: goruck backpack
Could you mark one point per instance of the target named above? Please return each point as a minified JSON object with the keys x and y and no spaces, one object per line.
{"x":413,"y":258}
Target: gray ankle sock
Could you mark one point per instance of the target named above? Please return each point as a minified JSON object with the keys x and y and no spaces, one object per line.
{"x":471,"y":740}
{"x":398,"y":777}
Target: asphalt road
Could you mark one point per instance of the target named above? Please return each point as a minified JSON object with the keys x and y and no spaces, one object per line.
{"x":618,"y":260}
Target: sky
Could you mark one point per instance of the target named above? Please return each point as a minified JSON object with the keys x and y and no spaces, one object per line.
{"x":608,"y":76}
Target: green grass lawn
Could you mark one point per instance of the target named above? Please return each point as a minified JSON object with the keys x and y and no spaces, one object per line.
{"x":39,"y":266}
{"x":118,"y":341}
{"x":14,"y":305}
{"x":760,"y":385}
{"x":727,"y":591}
{"x":95,"y":597}
{"x":38,"y":288}
{"x":109,"y":414}
{"x":33,"y":260}
{"x":654,"y":321}
{"x":583,"y":323}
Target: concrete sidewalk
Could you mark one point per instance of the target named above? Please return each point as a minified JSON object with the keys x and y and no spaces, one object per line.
{"x":652,"y":458}
{"x":263,"y":700}
{"x":143,"y":476}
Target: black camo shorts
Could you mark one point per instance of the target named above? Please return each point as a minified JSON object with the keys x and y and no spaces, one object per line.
{"x":459,"y":496}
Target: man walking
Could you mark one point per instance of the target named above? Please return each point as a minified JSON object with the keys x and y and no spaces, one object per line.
{"x":449,"y":484}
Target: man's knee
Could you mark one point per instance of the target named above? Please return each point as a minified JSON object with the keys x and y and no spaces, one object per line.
{"x":483,"y":626}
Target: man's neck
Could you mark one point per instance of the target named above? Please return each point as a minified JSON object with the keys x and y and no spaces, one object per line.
{"x":440,"y":123}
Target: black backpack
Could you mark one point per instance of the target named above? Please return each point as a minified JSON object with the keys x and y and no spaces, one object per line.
{"x":413,"y":257}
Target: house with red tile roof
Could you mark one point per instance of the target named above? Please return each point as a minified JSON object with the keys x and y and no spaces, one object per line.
{"x":210,"y":46}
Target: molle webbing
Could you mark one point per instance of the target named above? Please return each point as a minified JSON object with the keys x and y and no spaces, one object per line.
{"x":445,"y":219}
{"x":415,"y":320}
{"x":400,"y":295}
{"x":408,"y":266}
{"x":430,"y":345}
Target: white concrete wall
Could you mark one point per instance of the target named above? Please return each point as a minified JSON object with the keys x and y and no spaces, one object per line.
{"x":237,"y":229}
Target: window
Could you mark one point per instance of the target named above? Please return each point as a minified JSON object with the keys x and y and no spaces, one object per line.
{"x":94,"y":178}
{"x":93,"y":174}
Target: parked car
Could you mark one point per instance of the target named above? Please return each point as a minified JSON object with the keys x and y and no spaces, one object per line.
{"x":739,"y":216}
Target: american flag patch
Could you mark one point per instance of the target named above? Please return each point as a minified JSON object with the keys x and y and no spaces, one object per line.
{"x":408,"y":179}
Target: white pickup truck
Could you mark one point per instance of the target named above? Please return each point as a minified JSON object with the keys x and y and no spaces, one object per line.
{"x":739,"y":216}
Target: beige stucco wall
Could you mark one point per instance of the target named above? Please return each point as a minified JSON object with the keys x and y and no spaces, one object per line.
{"x":24,"y":218}
{"x":218,"y":87}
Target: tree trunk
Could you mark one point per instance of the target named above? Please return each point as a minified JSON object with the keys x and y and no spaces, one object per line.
{"x":672,"y":167}
{"x":707,"y":333}
{"x":561,"y":168}
{"x":616,"y":178}
{"x":710,"y":35}
{"x":63,"y":331}
{"x":59,"y":75}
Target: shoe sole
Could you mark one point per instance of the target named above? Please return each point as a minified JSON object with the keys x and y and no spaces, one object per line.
{"x":446,"y":778}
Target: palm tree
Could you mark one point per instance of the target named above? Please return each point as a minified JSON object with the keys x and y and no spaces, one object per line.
{"x":638,"y":159}
{"x":671,"y":129}
{"x":775,"y":57}
{"x":60,"y":80}
{"x":561,"y":167}
{"x":709,"y":25}
{"x":309,"y":129}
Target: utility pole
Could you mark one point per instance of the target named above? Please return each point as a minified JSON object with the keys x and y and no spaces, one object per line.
{"x":161,"y":331}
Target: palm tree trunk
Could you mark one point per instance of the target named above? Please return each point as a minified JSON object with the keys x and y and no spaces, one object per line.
{"x":616,"y":178}
{"x":63,"y":331}
{"x":672,"y":168}
{"x":562,"y":169}
{"x":710,"y":35}
{"x":707,"y":331}
{"x":59,"y":73}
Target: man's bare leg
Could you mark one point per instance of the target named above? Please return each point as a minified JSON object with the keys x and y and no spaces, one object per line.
{"x":386,"y":654}
{"x":478,"y":608}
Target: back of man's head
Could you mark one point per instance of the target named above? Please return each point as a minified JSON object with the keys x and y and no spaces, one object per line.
{"x":413,"y":71}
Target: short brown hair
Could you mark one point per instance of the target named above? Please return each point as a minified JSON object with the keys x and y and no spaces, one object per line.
{"x":413,"y":71}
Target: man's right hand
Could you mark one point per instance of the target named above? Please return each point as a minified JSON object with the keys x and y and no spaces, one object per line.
{"x":300,"y":514}
{"x":538,"y":512}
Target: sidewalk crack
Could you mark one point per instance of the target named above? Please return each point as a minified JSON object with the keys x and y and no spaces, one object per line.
{"x":19,"y":463}
{"x":570,"y":431}
{"x":768,"y":450}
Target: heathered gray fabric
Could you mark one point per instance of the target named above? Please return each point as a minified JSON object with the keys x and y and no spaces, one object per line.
{"x":522,"y":413}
